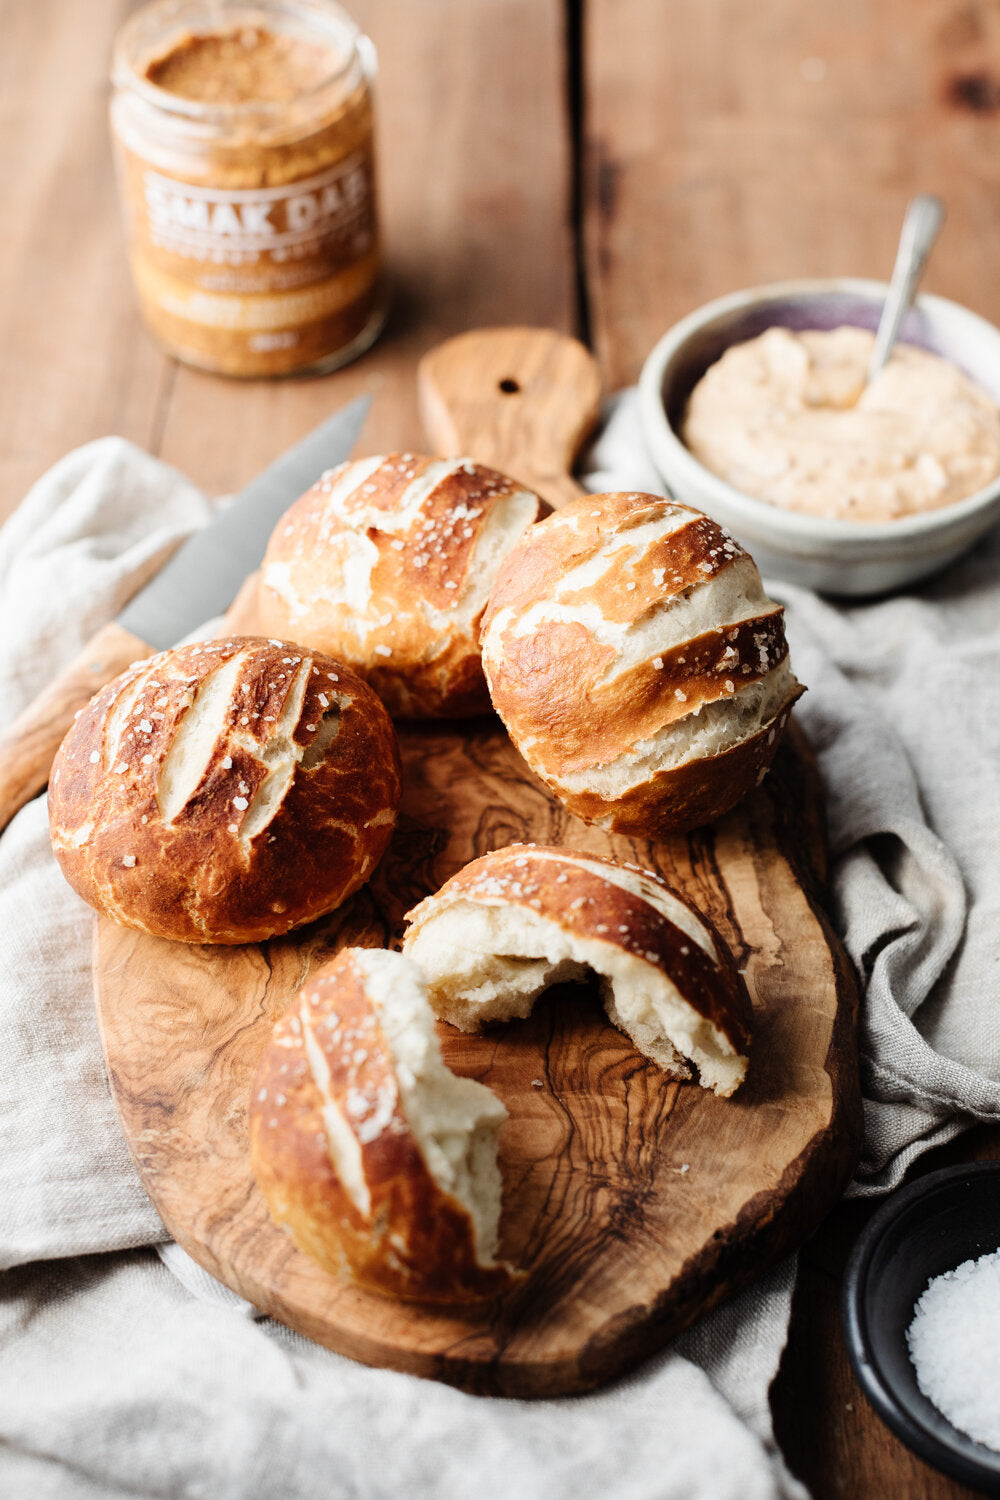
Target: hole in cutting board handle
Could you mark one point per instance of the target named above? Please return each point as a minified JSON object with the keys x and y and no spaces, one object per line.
{"x":509,"y":386}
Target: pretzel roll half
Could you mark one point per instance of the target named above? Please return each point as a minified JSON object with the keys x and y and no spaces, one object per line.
{"x":516,"y":921}
{"x":225,"y":792}
{"x":387,"y":563}
{"x":378,"y":1160}
{"x":637,"y":663}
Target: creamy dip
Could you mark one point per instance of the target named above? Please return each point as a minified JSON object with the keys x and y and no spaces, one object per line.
{"x":787,"y":418}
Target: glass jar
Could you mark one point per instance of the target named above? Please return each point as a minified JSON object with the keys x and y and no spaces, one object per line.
{"x":244,"y":145}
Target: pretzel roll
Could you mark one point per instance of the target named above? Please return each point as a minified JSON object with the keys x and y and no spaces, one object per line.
{"x":379,"y":1162}
{"x":387,"y":564}
{"x":225,"y":792}
{"x":516,"y":921}
{"x":637,"y":663}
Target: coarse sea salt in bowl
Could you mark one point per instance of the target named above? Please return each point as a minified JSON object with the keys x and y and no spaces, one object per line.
{"x":923,"y":1231}
{"x":826,"y":553}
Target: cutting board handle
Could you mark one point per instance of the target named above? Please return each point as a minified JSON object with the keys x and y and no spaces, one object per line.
{"x":522,"y":400}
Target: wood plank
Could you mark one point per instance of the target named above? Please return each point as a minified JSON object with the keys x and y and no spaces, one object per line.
{"x":731,"y":144}
{"x":474,"y":160}
{"x":74,"y":363}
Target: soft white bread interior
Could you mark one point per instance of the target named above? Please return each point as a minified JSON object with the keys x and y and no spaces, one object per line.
{"x":387,"y":563}
{"x":455,"y":1120}
{"x":637,"y":662}
{"x":225,"y":791}
{"x":380,"y":1162}
{"x":515,"y":922}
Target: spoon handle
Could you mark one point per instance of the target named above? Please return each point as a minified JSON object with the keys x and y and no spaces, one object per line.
{"x":921,"y":224}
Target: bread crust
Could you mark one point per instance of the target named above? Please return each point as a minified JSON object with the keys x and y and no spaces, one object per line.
{"x":226,"y":791}
{"x":686,"y":796}
{"x":412,"y":1239}
{"x":584,"y":895}
{"x":387,"y":564}
{"x":612,"y":627}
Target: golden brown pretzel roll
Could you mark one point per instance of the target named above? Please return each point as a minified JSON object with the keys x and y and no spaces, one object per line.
{"x":226,"y":791}
{"x":386,"y":563}
{"x":516,"y":921}
{"x":637,"y":663}
{"x":379,"y":1162}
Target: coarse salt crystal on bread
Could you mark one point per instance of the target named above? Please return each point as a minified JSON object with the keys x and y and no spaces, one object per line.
{"x":640,"y":668}
{"x":387,"y":563}
{"x":378,"y":1160}
{"x":225,"y":791}
{"x":516,"y":921}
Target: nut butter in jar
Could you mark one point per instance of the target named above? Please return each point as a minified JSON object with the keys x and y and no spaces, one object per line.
{"x":244,"y":145}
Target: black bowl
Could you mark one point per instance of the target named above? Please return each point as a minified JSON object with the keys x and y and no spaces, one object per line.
{"x":928,"y":1227}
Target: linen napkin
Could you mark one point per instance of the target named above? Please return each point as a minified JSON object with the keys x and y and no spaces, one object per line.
{"x":135,"y":1374}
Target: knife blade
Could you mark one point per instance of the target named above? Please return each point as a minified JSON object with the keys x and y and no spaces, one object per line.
{"x":204,"y":575}
{"x":199,"y":580}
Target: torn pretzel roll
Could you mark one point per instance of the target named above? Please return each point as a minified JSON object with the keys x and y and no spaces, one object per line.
{"x":380,"y":1162}
{"x":516,"y":921}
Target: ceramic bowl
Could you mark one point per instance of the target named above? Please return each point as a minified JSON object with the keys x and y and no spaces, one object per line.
{"x":834,"y":556}
{"x":931,"y":1226}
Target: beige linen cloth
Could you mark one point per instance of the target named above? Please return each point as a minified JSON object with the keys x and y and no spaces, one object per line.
{"x":125,"y":1370}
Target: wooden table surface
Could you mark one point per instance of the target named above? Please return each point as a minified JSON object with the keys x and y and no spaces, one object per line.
{"x":600,"y":167}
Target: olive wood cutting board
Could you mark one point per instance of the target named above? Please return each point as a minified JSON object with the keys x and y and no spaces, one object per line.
{"x":633,"y":1204}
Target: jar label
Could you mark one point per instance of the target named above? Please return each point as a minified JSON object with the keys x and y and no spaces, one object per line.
{"x":283,"y":310}
{"x":272,"y":225}
{"x":257,"y":280}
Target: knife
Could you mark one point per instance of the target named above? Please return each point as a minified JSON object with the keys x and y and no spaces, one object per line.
{"x":201,"y":579}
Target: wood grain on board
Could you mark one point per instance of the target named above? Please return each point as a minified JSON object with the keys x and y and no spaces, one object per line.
{"x":633,"y":1203}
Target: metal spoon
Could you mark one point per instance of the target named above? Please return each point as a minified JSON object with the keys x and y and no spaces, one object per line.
{"x":921,"y":222}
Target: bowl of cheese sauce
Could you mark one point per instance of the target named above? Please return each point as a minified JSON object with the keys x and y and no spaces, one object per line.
{"x":757,"y":409}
